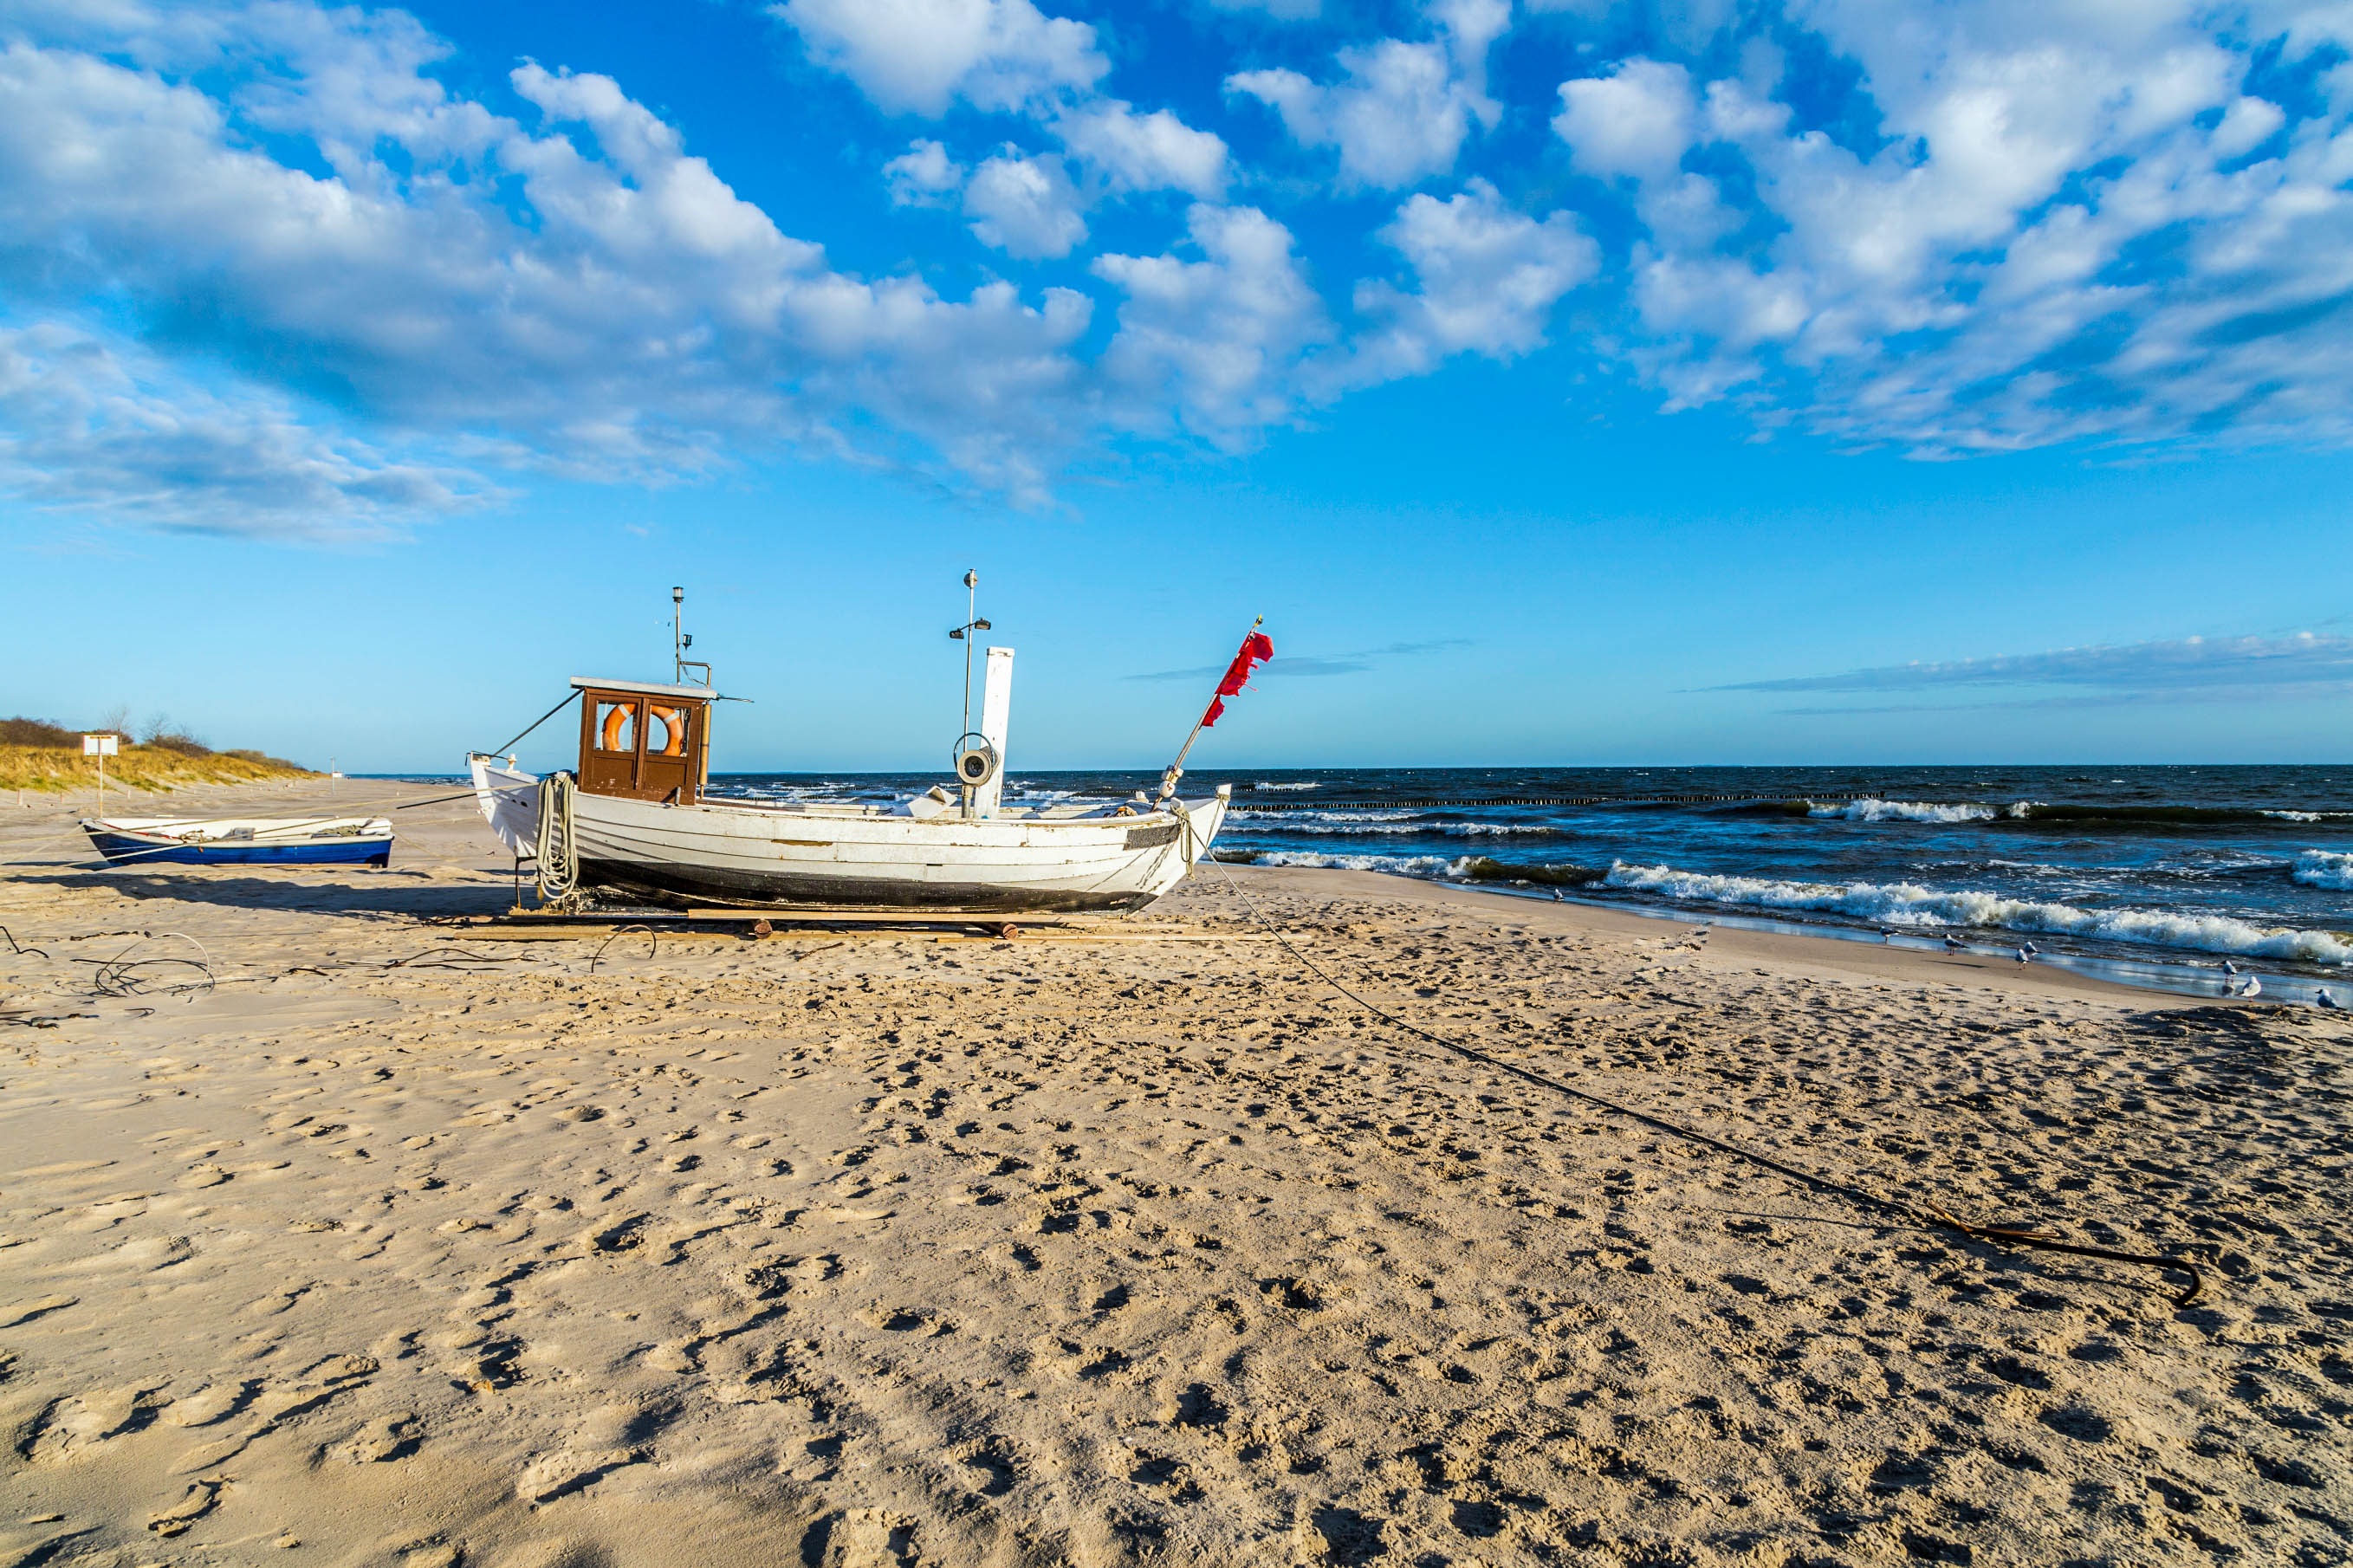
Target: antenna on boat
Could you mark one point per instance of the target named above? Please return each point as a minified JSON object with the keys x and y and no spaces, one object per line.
{"x":967,"y":780}
{"x":680,"y":640}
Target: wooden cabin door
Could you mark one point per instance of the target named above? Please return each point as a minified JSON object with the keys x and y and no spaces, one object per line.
{"x":666,"y":765}
{"x":611,"y":728}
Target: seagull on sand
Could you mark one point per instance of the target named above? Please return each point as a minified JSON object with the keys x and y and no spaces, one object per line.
{"x":2229,"y":967}
{"x":2025,"y":956}
{"x":2031,"y":951}
{"x":2328,"y":1004}
{"x":1954,"y":945}
{"x":2250,"y":986}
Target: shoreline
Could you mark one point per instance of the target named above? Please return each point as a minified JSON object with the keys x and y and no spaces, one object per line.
{"x":2159,"y":972}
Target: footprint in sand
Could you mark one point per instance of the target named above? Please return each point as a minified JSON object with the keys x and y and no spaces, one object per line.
{"x":149,"y":1253}
{"x":863,"y":1538}
{"x":394,"y":1436}
{"x":213,"y":1403}
{"x":72,"y":1425}
{"x":197,"y":1502}
{"x":552,"y":1475}
{"x":25,"y":1311}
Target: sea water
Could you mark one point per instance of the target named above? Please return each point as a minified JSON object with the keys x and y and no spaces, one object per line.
{"x":2149,"y":868}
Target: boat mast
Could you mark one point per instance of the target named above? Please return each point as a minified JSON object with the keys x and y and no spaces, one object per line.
{"x":971,"y":614}
{"x":972,"y":623}
{"x":680,"y":639}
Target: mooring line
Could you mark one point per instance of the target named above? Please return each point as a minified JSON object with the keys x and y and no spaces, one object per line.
{"x":1931,"y":1218}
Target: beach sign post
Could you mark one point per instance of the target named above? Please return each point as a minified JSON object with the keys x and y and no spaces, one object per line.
{"x":101,"y":747}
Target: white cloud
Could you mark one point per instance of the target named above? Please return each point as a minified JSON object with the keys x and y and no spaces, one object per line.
{"x":2304,"y":658}
{"x":923,"y":176}
{"x":913,"y":56}
{"x":1146,"y":152}
{"x":1024,"y":206}
{"x":89,"y":425}
{"x":505,"y":293}
{"x":1213,"y":345}
{"x":1402,"y":110}
{"x":2247,"y":125}
{"x":1488,"y":278}
{"x":2046,"y":240}
{"x":2020,"y":224}
{"x":1638,"y":120}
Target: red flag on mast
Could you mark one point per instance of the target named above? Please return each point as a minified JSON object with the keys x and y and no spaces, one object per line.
{"x":1256,"y":649}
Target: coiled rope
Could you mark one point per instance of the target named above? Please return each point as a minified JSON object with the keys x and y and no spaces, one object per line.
{"x":1929,"y":1218}
{"x":559,"y":869}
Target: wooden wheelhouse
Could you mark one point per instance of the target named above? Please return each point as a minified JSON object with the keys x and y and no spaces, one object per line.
{"x":644,"y":742}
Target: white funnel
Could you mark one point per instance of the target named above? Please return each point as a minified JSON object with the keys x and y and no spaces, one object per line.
{"x":996,"y":704}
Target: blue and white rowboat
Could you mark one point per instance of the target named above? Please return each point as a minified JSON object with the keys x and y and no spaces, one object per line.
{"x":243,"y":841}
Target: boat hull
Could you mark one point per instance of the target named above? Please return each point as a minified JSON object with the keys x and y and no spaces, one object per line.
{"x":767,"y":858}
{"x":123,"y":847}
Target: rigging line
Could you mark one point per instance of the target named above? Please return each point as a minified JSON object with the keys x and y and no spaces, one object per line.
{"x":1931,"y":1218}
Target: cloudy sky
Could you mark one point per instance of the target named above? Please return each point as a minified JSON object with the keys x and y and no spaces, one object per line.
{"x":1565,"y":381}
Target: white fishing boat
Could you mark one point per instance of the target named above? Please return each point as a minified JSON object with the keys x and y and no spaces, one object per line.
{"x":634,"y":819}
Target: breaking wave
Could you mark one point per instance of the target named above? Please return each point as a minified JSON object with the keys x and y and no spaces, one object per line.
{"x":1901,"y":811}
{"x":1906,"y":904}
{"x":1433,"y":867}
{"x":1394,"y":828}
{"x":2307,"y":816}
{"x":1264,"y":784}
{"x":2326,"y":869}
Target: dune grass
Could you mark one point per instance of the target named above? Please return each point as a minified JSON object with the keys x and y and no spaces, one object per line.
{"x":56,"y":770}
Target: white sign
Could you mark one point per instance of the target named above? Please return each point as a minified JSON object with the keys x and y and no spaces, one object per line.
{"x":98,"y":746}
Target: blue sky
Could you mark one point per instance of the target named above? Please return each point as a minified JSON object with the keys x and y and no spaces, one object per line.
{"x":1565,"y":383}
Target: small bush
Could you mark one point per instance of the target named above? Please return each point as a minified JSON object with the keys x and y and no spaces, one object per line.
{"x":247,"y":754}
{"x":178,"y":740}
{"x":37,"y":732}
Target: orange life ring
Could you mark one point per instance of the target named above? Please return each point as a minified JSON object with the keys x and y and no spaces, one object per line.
{"x":618,"y":716}
{"x":673,"y":723}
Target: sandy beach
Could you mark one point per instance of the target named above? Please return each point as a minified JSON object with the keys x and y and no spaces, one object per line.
{"x":366,"y":1244}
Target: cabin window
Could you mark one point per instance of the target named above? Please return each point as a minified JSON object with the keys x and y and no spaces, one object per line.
{"x":617,"y":727}
{"x":665,"y":731}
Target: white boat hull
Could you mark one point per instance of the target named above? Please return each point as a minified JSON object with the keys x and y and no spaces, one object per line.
{"x":849,"y":856}
{"x":812,"y":859}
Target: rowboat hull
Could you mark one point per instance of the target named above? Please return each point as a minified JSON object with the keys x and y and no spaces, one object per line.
{"x":783,"y":858}
{"x":261,"y":841}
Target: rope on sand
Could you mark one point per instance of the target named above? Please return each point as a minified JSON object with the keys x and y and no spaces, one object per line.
{"x":1931,"y":1218}
{"x":17,"y":947}
{"x":115,"y":975}
{"x":652,"y":942}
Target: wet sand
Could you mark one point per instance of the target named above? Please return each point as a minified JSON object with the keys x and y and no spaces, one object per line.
{"x":876,"y":1250}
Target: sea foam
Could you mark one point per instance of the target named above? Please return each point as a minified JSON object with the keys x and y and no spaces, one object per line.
{"x":2326,"y":869}
{"x":1393,"y":828}
{"x":1874,"y":810}
{"x":1439,"y":868}
{"x":1908,"y":904}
